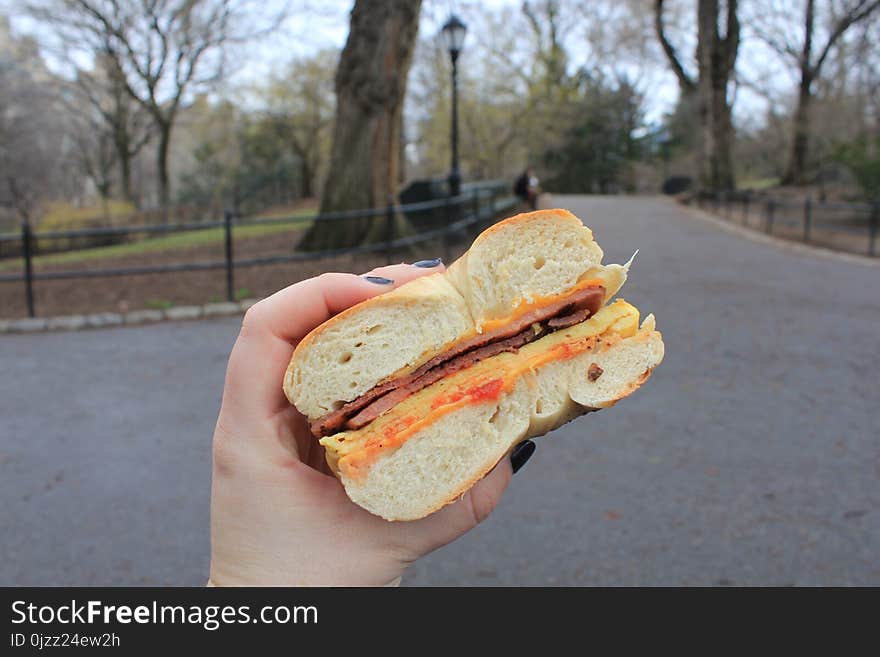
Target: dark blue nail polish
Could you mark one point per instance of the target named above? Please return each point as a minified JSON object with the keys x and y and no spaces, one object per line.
{"x":379,"y":280}
{"x":428,"y":264}
{"x":520,"y":454}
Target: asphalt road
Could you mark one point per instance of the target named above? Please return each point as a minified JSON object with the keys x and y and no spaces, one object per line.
{"x":752,"y":457}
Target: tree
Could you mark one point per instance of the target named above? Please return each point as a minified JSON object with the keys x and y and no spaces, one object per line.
{"x":162,"y":49}
{"x":95,"y":152}
{"x":34,"y":158}
{"x":370,"y":88}
{"x":240,"y":159}
{"x":111,"y":128}
{"x":862,"y":157}
{"x":809,"y":57}
{"x":707,"y":94}
{"x":600,"y":147}
{"x":522,"y":88}
{"x":298,"y":106}
{"x":492,"y":108}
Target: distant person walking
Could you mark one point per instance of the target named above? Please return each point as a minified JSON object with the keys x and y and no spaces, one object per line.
{"x":526,"y":187}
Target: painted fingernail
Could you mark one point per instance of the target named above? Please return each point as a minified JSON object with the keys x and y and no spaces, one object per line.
{"x":379,"y":280}
{"x":520,"y":454}
{"x":428,"y":264}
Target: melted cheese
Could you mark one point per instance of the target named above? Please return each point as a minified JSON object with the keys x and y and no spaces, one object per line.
{"x":524,"y":306}
{"x":354,"y":451}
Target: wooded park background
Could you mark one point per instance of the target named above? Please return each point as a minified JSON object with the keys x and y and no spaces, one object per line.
{"x":134,"y":110}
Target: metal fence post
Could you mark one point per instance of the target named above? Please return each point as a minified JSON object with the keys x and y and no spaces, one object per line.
{"x":745,"y":215}
{"x":227,"y":227}
{"x":26,"y":248}
{"x":771,"y":207}
{"x":808,"y":217}
{"x":389,"y":227}
{"x":875,"y":219}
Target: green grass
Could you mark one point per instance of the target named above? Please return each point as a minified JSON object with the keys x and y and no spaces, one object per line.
{"x":61,"y":215}
{"x":158,"y":304}
{"x":175,"y":241}
{"x":758,"y":184}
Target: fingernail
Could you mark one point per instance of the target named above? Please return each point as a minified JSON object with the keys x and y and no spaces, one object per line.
{"x":520,"y":454}
{"x":379,"y":280}
{"x":428,"y":264}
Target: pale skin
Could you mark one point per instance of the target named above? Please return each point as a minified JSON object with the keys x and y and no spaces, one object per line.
{"x":278,"y":516}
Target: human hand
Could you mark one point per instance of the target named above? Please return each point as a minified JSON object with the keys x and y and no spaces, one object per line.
{"x":278,"y":515}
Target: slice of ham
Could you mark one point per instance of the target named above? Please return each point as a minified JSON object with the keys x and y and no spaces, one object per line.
{"x":460,"y":362}
{"x":563,"y":313}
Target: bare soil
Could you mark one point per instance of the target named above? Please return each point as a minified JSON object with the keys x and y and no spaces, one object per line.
{"x":124,"y":293}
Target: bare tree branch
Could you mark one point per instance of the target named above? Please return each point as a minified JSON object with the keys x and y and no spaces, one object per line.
{"x":860,"y":12}
{"x":162,"y":50}
{"x":686,"y":83}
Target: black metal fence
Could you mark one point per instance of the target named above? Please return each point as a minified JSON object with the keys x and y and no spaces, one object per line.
{"x":447,"y":219}
{"x":848,"y":227}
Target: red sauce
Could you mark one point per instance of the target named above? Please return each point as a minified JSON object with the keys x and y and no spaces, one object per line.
{"x":489,"y":390}
{"x":481,"y":392}
{"x":398,"y":425}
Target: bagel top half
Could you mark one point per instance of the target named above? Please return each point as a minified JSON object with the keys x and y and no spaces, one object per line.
{"x":521,"y":267}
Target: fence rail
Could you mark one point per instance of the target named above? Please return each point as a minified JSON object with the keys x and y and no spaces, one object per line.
{"x":457,"y":214}
{"x":849,"y":227}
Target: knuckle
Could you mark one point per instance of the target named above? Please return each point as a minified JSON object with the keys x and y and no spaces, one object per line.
{"x":223,"y":451}
{"x":252,"y":319}
{"x":330,"y":277}
{"x":480,"y":504}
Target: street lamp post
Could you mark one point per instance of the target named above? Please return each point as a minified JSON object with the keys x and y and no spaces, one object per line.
{"x":454,"y":32}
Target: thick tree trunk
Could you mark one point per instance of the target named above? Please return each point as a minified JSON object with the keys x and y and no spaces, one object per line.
{"x":122,"y":136}
{"x":706,"y":95}
{"x":401,"y":155}
{"x":715,"y":59}
{"x":721,"y":172}
{"x":370,"y":89}
{"x":795,"y":172}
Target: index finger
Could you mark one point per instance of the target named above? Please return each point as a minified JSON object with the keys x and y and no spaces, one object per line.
{"x":273,"y":326}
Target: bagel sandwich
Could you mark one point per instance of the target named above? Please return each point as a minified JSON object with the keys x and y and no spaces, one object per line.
{"x":416,"y":394}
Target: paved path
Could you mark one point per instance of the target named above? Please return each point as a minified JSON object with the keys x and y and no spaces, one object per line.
{"x":751,"y":457}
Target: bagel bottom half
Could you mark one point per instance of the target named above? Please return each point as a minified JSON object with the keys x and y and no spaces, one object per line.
{"x":432,"y":447}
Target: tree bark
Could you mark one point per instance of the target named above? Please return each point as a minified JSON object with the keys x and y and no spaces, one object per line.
{"x":122,"y":145}
{"x":810,"y":70}
{"x":797,"y":163}
{"x":370,"y":88}
{"x":707,"y":94}
{"x":305,"y":172}
{"x":715,"y":60}
{"x":162,"y":168}
{"x":796,"y":171}
{"x":401,"y":153}
{"x":125,"y":169}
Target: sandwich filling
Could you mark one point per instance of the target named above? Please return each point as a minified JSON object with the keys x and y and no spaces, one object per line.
{"x":566,"y":311}
{"x":352,"y":453}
